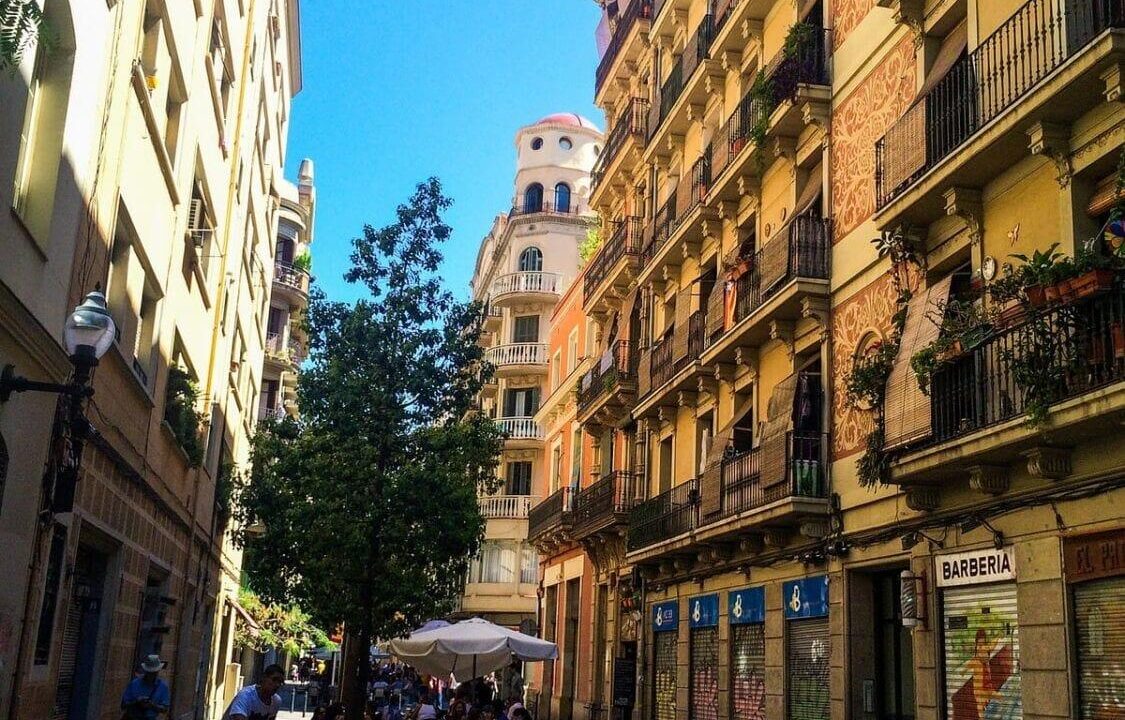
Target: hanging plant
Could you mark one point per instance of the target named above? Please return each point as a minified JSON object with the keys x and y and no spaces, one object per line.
{"x":800,"y":35}
{"x":180,"y":398}
{"x":762,"y":103}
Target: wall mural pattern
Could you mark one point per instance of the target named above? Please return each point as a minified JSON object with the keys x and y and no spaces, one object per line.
{"x":857,"y":123}
{"x":846,"y":15}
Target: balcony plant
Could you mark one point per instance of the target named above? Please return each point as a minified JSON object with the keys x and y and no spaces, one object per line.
{"x":180,"y":398}
{"x":303,"y":262}
{"x":1007,"y":296}
{"x":1038,"y":273}
{"x":963,"y":326}
{"x":1094,"y":273}
{"x":799,"y":36}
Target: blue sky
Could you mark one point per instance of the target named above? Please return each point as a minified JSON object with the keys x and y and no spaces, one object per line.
{"x":398,"y":90}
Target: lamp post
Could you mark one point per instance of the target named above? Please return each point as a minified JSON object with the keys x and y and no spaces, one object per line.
{"x":87,"y":335}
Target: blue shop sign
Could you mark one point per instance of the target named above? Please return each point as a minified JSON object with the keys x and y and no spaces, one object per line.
{"x":665,"y":616}
{"x":747,"y":605}
{"x":704,"y":611}
{"x":807,"y":598}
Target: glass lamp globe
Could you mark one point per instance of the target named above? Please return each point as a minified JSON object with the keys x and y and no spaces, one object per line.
{"x":89,"y":330}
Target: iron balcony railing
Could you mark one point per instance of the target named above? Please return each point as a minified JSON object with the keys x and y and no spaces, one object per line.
{"x":527,"y":282}
{"x":690,"y":192}
{"x":624,"y":241}
{"x":633,"y":121}
{"x":665,"y":516}
{"x":696,"y":50}
{"x":801,"y":249}
{"x":520,"y":428}
{"x":722,"y":13}
{"x":292,"y":277}
{"x":1054,"y":355}
{"x":1028,"y":47}
{"x":272,"y":414}
{"x":805,"y":64}
{"x":599,"y":504}
{"x":801,"y":473}
{"x":517,"y":354}
{"x":663,"y":364}
{"x":659,"y":229}
{"x":637,"y":10}
{"x":617,"y":365}
{"x":513,"y":507}
{"x":551,"y":513}
{"x":547,"y":208}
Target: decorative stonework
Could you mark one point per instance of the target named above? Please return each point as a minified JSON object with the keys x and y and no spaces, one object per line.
{"x":923,"y":498}
{"x":1052,"y":141}
{"x":846,"y":14}
{"x":989,"y":479}
{"x":1050,"y":463}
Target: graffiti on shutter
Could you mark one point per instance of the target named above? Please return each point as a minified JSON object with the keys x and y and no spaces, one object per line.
{"x":664,"y":671}
{"x":1099,"y":614}
{"x":748,"y":671}
{"x":982,"y":653}
{"x":808,"y":668}
{"x":704,"y":690}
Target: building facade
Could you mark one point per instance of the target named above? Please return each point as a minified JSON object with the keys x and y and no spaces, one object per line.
{"x":524,"y":267}
{"x":858,"y":479}
{"x":142,"y":157}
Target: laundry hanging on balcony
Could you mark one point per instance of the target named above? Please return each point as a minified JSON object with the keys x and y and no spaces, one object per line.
{"x":906,"y":410}
{"x":775,"y":432}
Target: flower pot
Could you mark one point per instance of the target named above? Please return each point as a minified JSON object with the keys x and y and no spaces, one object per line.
{"x":1036,"y":295}
{"x":1051,"y":292}
{"x":955,"y":350}
{"x":1066,"y":291}
{"x":1093,"y":282}
{"x":1012,"y":315}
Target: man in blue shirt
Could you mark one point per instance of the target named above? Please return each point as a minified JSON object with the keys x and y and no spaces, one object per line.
{"x":146,"y":697}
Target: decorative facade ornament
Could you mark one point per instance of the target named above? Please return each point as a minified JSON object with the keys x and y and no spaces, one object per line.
{"x":966,"y":204}
{"x":782,"y":331}
{"x":1114,"y":78}
{"x":816,"y":308}
{"x":815,"y":528}
{"x":989,"y":479}
{"x":910,"y":13}
{"x":1049,"y":463}
{"x":1052,"y":141}
{"x":777,"y":538}
{"x":923,"y":498}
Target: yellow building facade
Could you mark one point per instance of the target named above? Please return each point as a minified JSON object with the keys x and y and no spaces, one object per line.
{"x":813,"y":211}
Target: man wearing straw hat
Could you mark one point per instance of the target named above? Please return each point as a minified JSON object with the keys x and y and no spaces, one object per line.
{"x":146,"y":697}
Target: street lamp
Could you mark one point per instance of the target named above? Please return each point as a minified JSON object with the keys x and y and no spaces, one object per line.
{"x":87,"y":335}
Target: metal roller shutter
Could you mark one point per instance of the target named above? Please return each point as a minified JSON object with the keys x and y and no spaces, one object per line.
{"x":748,"y":672}
{"x":1099,"y":613}
{"x":664,"y":671}
{"x":982,"y":652}
{"x":807,"y":660}
{"x":703,"y":702}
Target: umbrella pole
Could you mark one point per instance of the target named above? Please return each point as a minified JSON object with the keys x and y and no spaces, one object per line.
{"x":474,"y":666}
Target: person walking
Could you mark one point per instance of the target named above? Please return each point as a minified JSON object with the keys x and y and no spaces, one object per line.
{"x":513,"y":684}
{"x":259,"y":701}
{"x":146,"y":697}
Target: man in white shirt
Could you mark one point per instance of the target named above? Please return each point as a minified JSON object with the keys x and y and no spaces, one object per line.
{"x":258,"y":702}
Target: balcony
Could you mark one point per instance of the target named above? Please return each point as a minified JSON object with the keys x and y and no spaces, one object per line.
{"x":274,"y":414}
{"x":607,"y":391}
{"x":1070,"y":358}
{"x":666,"y":373}
{"x":520,"y":432}
{"x":630,"y":128}
{"x":623,"y":46}
{"x":682,"y":87}
{"x":614,"y":268}
{"x":493,"y":319}
{"x":781,"y":279}
{"x":676,"y":233}
{"x":506,"y":507}
{"x":569,"y":209}
{"x":667,"y":516}
{"x":1034,"y":76}
{"x":778,"y":484}
{"x":548,"y":523}
{"x":526,"y":287}
{"x":517,"y":359}
{"x":605,"y":505}
{"x":282,"y":354}
{"x":291,"y":283}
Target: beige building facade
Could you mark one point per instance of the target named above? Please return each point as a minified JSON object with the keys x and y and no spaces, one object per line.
{"x":141,"y":154}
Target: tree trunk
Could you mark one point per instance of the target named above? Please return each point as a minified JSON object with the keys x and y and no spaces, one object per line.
{"x":357,"y":672}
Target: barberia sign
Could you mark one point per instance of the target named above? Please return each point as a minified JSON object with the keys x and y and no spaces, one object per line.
{"x":975,"y":567}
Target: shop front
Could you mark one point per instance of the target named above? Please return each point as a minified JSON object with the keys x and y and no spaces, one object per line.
{"x":665,"y":637}
{"x":703,"y":658}
{"x":807,"y":646}
{"x":746,"y":613}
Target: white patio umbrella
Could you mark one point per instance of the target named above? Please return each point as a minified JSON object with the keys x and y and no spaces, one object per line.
{"x":475,"y":646}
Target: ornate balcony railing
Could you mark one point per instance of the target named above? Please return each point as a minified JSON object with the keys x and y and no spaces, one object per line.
{"x":517,"y":354}
{"x":637,"y":10}
{"x":665,"y":516}
{"x":520,"y":428}
{"x":597,"y":505}
{"x":802,"y":473}
{"x":801,"y":249}
{"x":272,"y":414}
{"x":695,"y":52}
{"x":292,"y":277}
{"x":633,"y":121}
{"x":1059,"y":353}
{"x":624,"y":240}
{"x":659,"y":229}
{"x":551,"y":513}
{"x":1028,"y":47}
{"x":663,"y":364}
{"x":616,"y":365}
{"x":512,"y":507}
{"x":527,"y":282}
{"x":571,"y":208}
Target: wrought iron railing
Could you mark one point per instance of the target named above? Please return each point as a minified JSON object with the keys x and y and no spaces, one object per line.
{"x":547,"y":208}
{"x":722,"y":13}
{"x":520,"y":428}
{"x":804,"y":248}
{"x":633,"y":121}
{"x":617,"y":365}
{"x":624,"y":240}
{"x":272,"y":414}
{"x":1054,"y":355}
{"x":665,"y":516}
{"x":291,"y":276}
{"x":696,"y":50}
{"x":517,"y":354}
{"x":1028,"y":47}
{"x":661,"y":365}
{"x":637,"y":10}
{"x":659,"y":229}
{"x":527,"y":282}
{"x":551,"y":513}
{"x":612,"y":495}
{"x":802,"y":473}
{"x":506,"y":506}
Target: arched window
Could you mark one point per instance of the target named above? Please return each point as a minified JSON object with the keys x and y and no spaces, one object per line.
{"x":562,"y":198}
{"x":533,"y":198}
{"x":531,"y":260}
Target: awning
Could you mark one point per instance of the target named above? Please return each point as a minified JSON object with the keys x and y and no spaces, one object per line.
{"x":906,"y":410}
{"x":810,"y":193}
{"x":715,"y":307}
{"x":711,"y":481}
{"x":1105,"y":196}
{"x":952,"y":47}
{"x":806,"y":8}
{"x":775,"y":429}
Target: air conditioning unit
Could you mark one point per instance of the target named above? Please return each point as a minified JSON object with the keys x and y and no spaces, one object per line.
{"x":197,"y":223}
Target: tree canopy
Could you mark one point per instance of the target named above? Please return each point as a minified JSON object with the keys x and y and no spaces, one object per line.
{"x":370,"y":502}
{"x":284,"y":627}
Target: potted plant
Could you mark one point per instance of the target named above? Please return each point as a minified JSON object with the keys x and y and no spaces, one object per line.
{"x":1038,"y":274}
{"x":1063,"y":272}
{"x":1006,"y":292}
{"x":924,"y":363}
{"x":1093,"y":274}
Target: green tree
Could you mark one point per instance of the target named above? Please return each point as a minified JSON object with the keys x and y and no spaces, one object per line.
{"x":370,"y":502}
{"x":286,"y":628}
{"x":19,"y":27}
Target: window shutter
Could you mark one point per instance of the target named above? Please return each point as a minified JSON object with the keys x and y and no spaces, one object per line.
{"x":779,"y":421}
{"x":680,"y":331}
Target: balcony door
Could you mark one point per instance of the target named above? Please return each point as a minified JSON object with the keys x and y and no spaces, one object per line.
{"x":519,"y":478}
{"x":526,"y":329}
{"x":521,"y":402}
